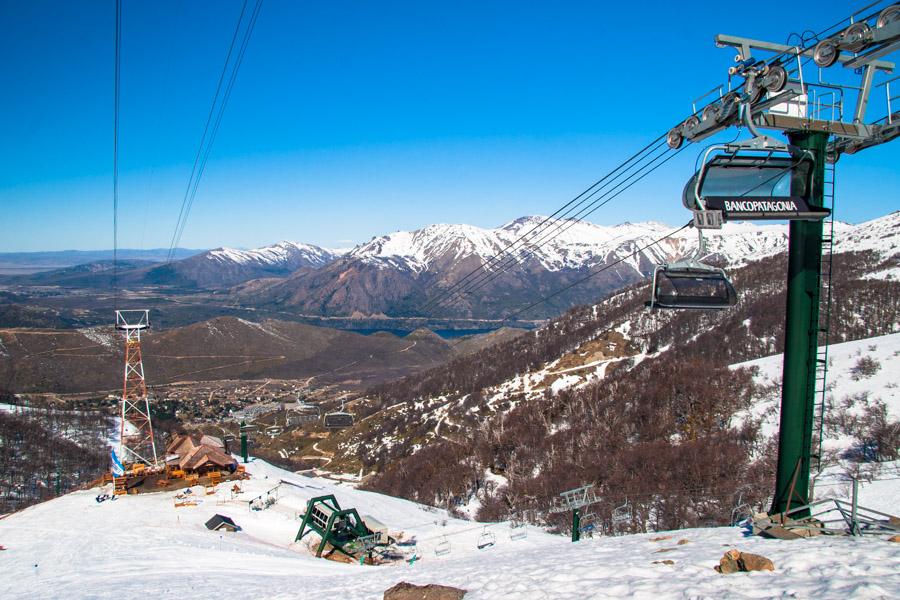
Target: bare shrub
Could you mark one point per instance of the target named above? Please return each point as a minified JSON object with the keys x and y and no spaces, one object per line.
{"x":878,"y":436}
{"x":864,"y":368}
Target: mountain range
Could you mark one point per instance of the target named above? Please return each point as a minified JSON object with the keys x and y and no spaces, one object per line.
{"x":414,"y":273}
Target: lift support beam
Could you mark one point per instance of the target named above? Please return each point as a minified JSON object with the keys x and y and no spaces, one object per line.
{"x":800,"y":340}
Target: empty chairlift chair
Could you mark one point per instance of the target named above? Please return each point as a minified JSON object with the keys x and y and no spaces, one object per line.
{"x":486,"y":539}
{"x":517,"y":530}
{"x":588,"y":522}
{"x":621,"y":515}
{"x":691,"y":284}
{"x":443,"y":547}
{"x":757,"y":179}
{"x":339,"y":419}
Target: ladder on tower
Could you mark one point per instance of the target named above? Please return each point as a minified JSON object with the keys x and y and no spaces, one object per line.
{"x":824,"y":323}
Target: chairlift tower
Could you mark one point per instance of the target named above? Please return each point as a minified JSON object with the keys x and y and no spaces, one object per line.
{"x":780,"y":94}
{"x":136,"y":443}
{"x":575,"y":500}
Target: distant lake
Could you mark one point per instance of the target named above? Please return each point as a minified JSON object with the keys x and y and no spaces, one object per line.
{"x":447,"y":334}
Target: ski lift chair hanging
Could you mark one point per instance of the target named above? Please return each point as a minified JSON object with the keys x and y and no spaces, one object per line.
{"x":486,"y":539}
{"x":339,"y":419}
{"x":588,"y":521}
{"x":622,"y":515}
{"x":443,"y":547}
{"x":691,"y":284}
{"x":518,"y":530}
{"x":746,"y":180}
{"x":760,"y":179}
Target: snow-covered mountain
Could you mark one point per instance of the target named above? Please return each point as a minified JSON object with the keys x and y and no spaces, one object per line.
{"x":397,"y":274}
{"x":290,"y":255}
{"x":226,"y":267}
{"x":402,"y":273}
{"x":557,"y":245}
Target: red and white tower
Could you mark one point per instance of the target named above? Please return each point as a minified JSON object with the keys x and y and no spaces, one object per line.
{"x":136,"y":444}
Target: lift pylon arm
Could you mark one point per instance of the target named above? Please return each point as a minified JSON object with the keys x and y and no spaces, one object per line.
{"x":746,"y":45}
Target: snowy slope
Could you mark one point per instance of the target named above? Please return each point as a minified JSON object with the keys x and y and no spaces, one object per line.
{"x":850,"y":393}
{"x":141,"y":545}
{"x":842,"y":385}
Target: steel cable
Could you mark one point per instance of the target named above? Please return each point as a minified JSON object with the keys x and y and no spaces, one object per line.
{"x":564,"y":225}
{"x":117,"y":79}
{"x":213,"y":119}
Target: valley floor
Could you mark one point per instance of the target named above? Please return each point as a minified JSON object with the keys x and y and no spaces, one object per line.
{"x":142,"y":546}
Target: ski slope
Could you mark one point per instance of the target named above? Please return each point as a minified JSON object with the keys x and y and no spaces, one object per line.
{"x":842,"y":385}
{"x":142,"y":546}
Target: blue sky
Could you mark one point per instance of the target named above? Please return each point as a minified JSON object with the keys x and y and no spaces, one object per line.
{"x":354,"y":119}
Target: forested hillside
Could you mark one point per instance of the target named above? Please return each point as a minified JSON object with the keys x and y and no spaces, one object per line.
{"x":647,"y":415}
{"x":45,"y":452}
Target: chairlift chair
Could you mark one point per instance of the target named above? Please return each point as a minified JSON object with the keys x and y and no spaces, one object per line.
{"x":757,"y":179}
{"x":741,"y":511}
{"x":486,"y":539}
{"x":517,"y":530}
{"x":339,"y":419}
{"x":587,"y":523}
{"x":691,"y":284}
{"x":621,"y":515}
{"x":443,"y":547}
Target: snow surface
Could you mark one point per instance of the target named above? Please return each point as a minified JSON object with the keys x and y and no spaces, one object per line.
{"x":73,"y":547}
{"x":883,"y":385}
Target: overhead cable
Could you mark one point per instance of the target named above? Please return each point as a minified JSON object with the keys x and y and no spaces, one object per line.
{"x":548,"y":221}
{"x":213,"y":120}
{"x":597,"y":272}
{"x":564,"y":225}
{"x":117,"y":78}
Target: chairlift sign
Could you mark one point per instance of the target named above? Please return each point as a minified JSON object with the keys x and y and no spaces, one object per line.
{"x":754,"y":188}
{"x":766,"y":209}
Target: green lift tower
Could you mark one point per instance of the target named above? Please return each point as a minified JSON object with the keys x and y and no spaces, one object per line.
{"x":822,"y":121}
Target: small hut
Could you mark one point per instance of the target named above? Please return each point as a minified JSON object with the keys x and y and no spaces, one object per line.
{"x":199,"y":454}
{"x":220,"y":523}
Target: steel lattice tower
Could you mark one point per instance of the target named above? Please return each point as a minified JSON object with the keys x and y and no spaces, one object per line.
{"x":136,"y":444}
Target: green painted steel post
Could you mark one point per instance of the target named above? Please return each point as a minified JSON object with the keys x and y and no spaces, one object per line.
{"x":576,"y":525}
{"x":800,"y":340}
{"x":243,"y":443}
